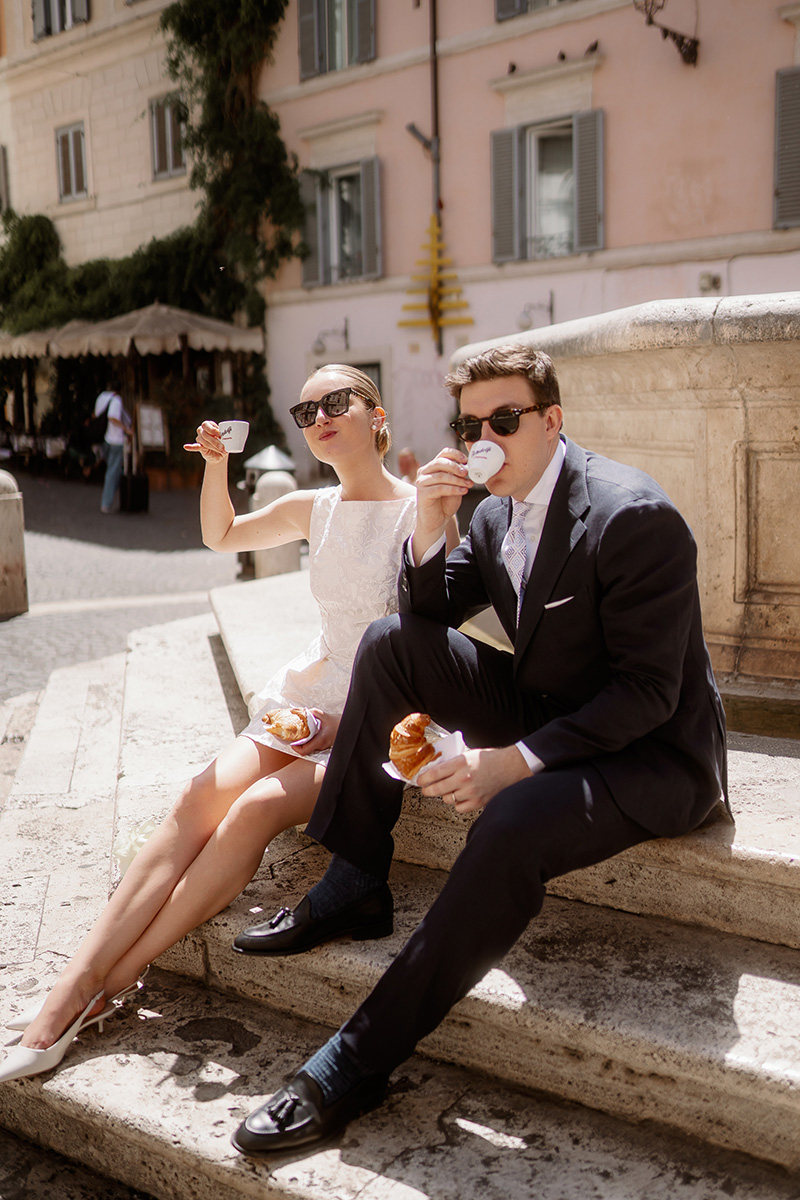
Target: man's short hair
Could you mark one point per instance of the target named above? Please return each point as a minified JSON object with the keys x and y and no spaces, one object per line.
{"x":511,"y":359}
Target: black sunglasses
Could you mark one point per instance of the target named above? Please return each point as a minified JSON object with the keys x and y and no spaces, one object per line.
{"x":334,"y":404}
{"x":503,"y":422}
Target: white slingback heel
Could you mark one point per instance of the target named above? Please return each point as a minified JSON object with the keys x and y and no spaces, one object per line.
{"x":26,"y":1018}
{"x":24,"y":1060}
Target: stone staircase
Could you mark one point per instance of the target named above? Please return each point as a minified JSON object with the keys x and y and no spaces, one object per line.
{"x":641,"y":1040}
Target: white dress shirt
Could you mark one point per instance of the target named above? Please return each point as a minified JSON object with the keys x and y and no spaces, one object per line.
{"x":539,"y":498}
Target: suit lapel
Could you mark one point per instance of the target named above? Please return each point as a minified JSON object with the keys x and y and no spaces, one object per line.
{"x":563,"y":529}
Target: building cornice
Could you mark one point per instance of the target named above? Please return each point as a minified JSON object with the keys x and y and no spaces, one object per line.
{"x":77,"y":51}
{"x":720,"y":249}
{"x":327,"y":129}
{"x":555,"y":72}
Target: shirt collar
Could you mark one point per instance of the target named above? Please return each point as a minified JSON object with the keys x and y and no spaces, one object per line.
{"x":541,"y":492}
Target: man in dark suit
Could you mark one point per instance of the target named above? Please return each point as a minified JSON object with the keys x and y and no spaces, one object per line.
{"x":602,"y":730}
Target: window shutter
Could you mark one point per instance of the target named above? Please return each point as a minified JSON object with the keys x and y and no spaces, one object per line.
{"x":365,"y":30}
{"x":4,"y":191}
{"x":372,"y":259}
{"x":509,"y":8}
{"x":309,"y":38}
{"x":312,"y":263}
{"x":79,"y":160}
{"x":505,"y":195}
{"x":41,"y":19}
{"x":786,"y":207}
{"x":64,"y":169}
{"x":587,"y":152}
{"x":80,"y":11}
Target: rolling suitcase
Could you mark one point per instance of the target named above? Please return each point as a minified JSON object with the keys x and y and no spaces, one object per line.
{"x":134,"y":492}
{"x":134,"y":486}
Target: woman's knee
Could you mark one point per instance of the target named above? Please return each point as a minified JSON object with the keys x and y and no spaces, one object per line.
{"x":195,"y":796}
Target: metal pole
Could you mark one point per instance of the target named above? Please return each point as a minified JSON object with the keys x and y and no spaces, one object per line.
{"x":437,"y":195}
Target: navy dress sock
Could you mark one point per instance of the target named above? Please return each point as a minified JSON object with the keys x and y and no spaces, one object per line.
{"x":335,"y":1070}
{"x":341,"y":884}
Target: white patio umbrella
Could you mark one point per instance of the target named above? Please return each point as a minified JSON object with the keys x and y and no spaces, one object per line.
{"x":156,"y":329}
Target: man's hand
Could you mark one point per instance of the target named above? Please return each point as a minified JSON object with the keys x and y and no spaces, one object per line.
{"x":469,"y":781}
{"x":441,"y":486}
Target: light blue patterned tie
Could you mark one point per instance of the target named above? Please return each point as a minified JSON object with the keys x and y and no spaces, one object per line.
{"x":515,"y":550}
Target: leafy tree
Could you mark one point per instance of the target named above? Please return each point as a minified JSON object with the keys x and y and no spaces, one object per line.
{"x":252,"y":212}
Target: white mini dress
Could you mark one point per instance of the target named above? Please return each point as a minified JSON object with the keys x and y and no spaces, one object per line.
{"x":354,"y":552}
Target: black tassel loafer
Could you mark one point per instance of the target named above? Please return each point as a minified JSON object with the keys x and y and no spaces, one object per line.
{"x":291,"y":931}
{"x":295,"y":1117}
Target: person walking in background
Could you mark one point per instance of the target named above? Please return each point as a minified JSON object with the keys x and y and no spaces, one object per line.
{"x":407,"y":464}
{"x":118,"y":428}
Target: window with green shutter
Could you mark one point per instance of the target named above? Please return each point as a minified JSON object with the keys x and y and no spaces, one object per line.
{"x":342,"y":231}
{"x":56,"y":16}
{"x":166,"y":125}
{"x":333,"y":34}
{"x":503,"y":9}
{"x":547,"y":188}
{"x":786,"y":207}
{"x":71,"y":161}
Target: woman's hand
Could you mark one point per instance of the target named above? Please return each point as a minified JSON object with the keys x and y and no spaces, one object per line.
{"x":209,"y":443}
{"x":468,"y":781}
{"x":323,"y":738}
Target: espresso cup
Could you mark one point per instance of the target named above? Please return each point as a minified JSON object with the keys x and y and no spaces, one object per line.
{"x":234,"y":435}
{"x":485,"y":460}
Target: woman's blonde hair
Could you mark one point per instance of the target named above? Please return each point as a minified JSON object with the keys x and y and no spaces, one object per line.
{"x":366,"y":389}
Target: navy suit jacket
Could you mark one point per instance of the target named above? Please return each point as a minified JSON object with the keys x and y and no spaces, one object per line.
{"x":610,"y":636}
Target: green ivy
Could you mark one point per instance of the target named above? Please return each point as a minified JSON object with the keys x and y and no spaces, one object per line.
{"x":252,"y":211}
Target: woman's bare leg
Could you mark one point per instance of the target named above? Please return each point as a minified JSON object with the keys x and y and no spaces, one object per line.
{"x":150,"y":879}
{"x":226,"y":864}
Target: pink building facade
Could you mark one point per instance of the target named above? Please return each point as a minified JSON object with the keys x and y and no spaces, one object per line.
{"x":584,"y":165}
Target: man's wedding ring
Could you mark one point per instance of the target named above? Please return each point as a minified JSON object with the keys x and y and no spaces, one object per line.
{"x":453,"y":797}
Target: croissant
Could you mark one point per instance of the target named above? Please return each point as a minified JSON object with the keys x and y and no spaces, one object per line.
{"x":409,"y":750}
{"x":288,"y":724}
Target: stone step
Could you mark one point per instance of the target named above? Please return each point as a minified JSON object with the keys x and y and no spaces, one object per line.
{"x":153,"y":1099}
{"x":66,"y":804}
{"x":29,"y":1171}
{"x":645,"y":1018}
{"x":649,"y":1047}
{"x":743,"y":879}
{"x":56,"y":826}
{"x":17,"y":716}
{"x":181,"y":706}
{"x":641,"y":1017}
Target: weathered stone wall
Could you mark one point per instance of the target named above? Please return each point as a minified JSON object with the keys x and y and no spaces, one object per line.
{"x":704,"y":395}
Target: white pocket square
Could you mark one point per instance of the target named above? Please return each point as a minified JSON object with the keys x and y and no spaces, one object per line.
{"x":558,"y":603}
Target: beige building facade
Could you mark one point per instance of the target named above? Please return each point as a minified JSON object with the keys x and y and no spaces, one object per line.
{"x":89,"y":130}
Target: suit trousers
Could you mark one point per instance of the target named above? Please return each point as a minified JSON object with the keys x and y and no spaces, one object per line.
{"x":547,"y":825}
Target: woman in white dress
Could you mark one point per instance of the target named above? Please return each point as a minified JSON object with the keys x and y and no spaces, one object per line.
{"x":210,"y":844}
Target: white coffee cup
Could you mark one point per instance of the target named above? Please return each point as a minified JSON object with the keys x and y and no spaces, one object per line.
{"x":485,"y":460}
{"x":234,"y":435}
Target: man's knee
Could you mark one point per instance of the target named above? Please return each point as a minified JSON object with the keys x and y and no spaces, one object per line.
{"x":397,"y":638}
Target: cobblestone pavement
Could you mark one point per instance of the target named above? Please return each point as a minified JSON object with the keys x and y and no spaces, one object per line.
{"x":93,"y":578}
